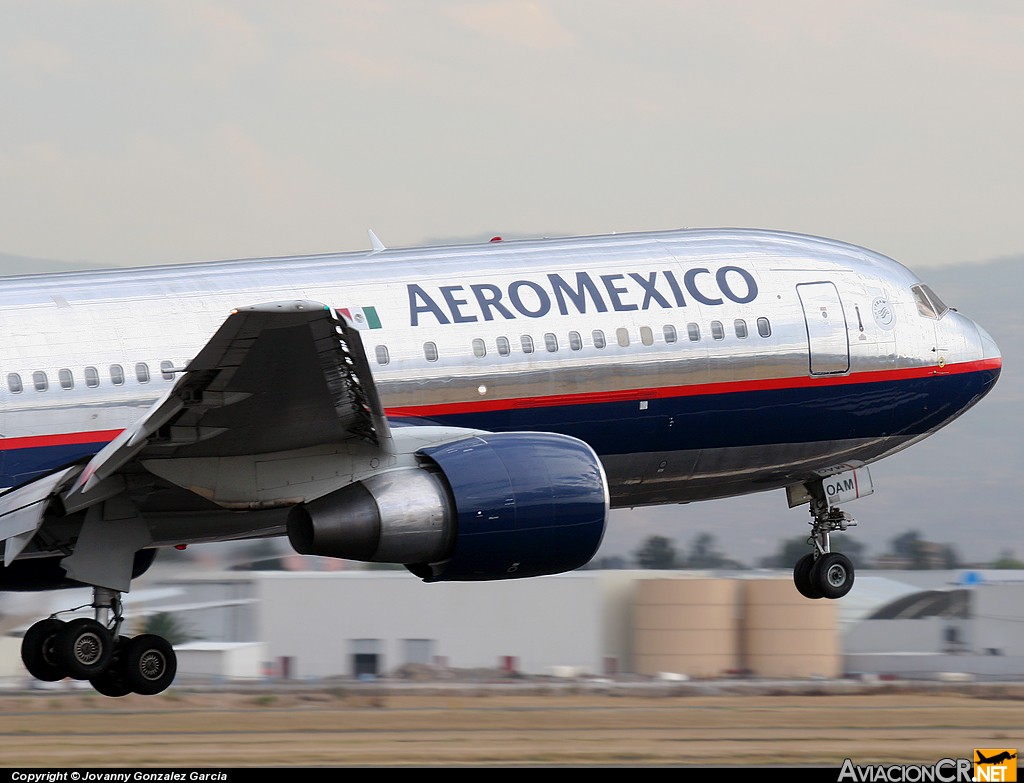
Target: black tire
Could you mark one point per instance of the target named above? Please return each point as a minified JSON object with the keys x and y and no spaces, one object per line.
{"x":37,"y":651}
{"x":149,"y":664}
{"x":84,"y":648}
{"x":802,"y":577}
{"x":833,"y":574}
{"x":111,"y":682}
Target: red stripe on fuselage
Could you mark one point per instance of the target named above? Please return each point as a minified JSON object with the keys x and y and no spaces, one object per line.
{"x":692,"y":390}
{"x":879,"y":376}
{"x":60,"y":439}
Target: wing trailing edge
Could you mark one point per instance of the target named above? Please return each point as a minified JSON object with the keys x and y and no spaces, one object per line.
{"x":275,"y":378}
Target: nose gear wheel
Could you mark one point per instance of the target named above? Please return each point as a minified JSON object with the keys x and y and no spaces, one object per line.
{"x":824,"y":573}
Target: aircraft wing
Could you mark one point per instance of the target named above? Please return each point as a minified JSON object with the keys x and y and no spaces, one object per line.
{"x":22,"y":510}
{"x":278,"y":416}
{"x":275,"y":377}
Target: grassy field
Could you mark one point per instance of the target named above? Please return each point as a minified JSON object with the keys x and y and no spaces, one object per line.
{"x":510,"y":727}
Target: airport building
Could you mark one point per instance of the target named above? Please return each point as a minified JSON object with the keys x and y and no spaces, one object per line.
{"x":606,"y":623}
{"x":312,"y":626}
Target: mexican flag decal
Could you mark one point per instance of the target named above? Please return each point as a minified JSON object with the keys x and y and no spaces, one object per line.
{"x":361,"y":317}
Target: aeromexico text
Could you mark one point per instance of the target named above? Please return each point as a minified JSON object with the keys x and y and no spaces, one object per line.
{"x":580,"y":293}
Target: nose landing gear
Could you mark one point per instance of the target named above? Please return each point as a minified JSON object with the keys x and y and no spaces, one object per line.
{"x":824,"y":573}
{"x":93,"y":650}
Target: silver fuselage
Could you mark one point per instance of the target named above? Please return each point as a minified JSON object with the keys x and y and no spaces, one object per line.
{"x":732,"y":360}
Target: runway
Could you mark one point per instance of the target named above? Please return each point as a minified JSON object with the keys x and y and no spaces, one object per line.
{"x":341,"y":726}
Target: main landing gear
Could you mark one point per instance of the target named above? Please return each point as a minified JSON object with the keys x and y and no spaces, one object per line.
{"x":93,"y":650}
{"x":823,"y":573}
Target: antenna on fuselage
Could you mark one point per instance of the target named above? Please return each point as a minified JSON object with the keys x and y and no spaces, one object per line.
{"x":377,"y":244}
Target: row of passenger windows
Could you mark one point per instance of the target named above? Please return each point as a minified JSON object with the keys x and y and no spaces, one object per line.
{"x":598,"y":338}
{"x":66,"y":378}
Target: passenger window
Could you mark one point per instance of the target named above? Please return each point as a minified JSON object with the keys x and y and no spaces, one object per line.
{"x":599,"y":341}
{"x":693,"y":332}
{"x":40,"y":381}
{"x":764,"y":328}
{"x":92,"y":377}
{"x":741,"y":327}
{"x":622,"y":336}
{"x":167,"y":370}
{"x":527,"y":342}
{"x":117,"y":374}
{"x":550,"y":342}
{"x":142,"y":372}
{"x":717,"y":330}
{"x":479,"y":349}
{"x":646,"y":335}
{"x":575,"y":341}
{"x":14,"y":383}
{"x":66,"y":379}
{"x":430,"y":351}
{"x":504,"y":347}
{"x":382,"y":355}
{"x":670,"y":333}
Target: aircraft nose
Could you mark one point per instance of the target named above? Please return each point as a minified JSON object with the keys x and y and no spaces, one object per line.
{"x":991,"y":359}
{"x":989,"y":349}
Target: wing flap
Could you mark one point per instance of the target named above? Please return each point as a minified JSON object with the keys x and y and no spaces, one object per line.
{"x":274,"y":378}
{"x":22,"y":510}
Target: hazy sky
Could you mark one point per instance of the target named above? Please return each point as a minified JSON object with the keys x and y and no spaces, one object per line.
{"x":148,"y":132}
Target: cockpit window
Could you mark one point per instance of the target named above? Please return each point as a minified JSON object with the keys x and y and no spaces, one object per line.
{"x":928,"y":303}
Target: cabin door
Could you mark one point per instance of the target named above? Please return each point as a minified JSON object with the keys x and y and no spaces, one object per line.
{"x":827,"y":340}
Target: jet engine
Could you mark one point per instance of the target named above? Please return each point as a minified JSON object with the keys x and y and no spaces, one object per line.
{"x":496,"y":506}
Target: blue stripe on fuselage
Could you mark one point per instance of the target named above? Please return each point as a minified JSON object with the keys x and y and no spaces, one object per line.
{"x":905,"y":407}
{"x":20,"y":465}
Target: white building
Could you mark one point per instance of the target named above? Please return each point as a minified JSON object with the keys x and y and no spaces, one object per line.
{"x":315,"y":625}
{"x":366,"y":623}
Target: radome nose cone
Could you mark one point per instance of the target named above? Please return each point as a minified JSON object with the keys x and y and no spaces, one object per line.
{"x":989,"y":349}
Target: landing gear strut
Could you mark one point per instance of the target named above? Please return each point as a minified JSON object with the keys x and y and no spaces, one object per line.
{"x":93,"y":650}
{"x":824,"y":573}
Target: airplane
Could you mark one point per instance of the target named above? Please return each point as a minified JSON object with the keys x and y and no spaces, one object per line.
{"x":471,"y":411}
{"x":1001,"y":756}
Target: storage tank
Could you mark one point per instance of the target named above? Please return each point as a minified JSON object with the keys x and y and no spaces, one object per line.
{"x":686,"y":626}
{"x":787,"y":635}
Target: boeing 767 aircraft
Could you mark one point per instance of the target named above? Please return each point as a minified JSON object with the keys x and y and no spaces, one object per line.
{"x":469,"y":411}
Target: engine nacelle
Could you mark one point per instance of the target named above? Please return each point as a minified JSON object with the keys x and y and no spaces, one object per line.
{"x":497,"y":506}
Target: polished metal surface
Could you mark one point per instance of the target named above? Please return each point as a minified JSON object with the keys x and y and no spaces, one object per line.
{"x":637,"y":343}
{"x":399,"y":516}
